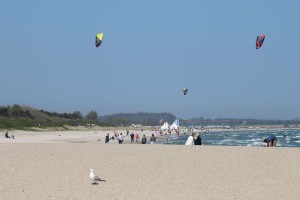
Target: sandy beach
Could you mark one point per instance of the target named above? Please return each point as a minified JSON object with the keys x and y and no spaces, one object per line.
{"x":55,"y":165}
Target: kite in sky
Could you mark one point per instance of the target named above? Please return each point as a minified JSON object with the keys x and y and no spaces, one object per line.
{"x":185,"y":90}
{"x":99,"y":38}
{"x":259,"y":41}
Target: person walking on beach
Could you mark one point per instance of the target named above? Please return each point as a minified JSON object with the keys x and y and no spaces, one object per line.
{"x":120,"y":137}
{"x":107,"y":138}
{"x":160,"y":132}
{"x":132,"y":137}
{"x":271,"y":141}
{"x":137,"y":138}
{"x":198,"y":139}
{"x":190,"y":140}
{"x":144,"y":139}
{"x":153,"y":139}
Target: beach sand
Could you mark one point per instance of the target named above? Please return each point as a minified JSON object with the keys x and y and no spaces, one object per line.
{"x":49,"y":166}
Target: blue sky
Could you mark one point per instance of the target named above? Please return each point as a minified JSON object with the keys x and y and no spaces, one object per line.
{"x":151,"y":51}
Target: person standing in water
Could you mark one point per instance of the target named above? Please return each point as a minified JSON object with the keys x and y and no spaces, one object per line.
{"x":271,"y":141}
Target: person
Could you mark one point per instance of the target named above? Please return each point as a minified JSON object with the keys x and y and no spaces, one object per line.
{"x":160,"y":132}
{"x":198,"y":139}
{"x":144,"y":139}
{"x":6,"y":134}
{"x":153,"y":139}
{"x":137,"y":138}
{"x":107,"y":138}
{"x":166,"y":137}
{"x":12,"y":136}
{"x":132,"y":137}
{"x":271,"y":141}
{"x":120,"y":138}
{"x":127,"y":132}
{"x":190,"y":140}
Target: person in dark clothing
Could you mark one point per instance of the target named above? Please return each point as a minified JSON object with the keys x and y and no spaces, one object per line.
{"x":153,"y":139}
{"x":6,"y":134}
{"x":107,"y":138}
{"x":144,"y":139}
{"x":132,"y":137}
{"x":198,"y":139}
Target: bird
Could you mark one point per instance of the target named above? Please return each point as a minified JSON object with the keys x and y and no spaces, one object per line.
{"x":94,"y":177}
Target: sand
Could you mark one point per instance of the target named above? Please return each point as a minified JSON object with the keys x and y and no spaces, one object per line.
{"x":47,"y":166}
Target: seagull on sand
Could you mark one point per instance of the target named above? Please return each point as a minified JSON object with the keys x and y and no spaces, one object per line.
{"x":94,"y":177}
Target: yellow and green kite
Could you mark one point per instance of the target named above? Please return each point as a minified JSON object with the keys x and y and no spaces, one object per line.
{"x":99,"y":39}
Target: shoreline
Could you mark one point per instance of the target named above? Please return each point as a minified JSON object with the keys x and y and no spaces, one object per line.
{"x":97,"y":136}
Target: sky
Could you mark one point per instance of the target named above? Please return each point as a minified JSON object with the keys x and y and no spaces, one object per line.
{"x":151,"y":51}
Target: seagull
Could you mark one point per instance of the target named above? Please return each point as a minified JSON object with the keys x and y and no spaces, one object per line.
{"x":94,"y":177}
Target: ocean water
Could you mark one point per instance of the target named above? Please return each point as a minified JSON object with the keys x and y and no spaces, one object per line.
{"x":285,"y":138}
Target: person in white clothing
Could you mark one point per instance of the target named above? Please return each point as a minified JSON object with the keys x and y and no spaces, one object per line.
{"x":120,"y":138}
{"x":190,"y":140}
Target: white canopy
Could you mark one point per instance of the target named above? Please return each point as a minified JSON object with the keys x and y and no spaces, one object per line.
{"x":165,"y":126}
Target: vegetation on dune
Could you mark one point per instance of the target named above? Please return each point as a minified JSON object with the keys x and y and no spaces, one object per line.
{"x":25,"y":117}
{"x":22,"y":117}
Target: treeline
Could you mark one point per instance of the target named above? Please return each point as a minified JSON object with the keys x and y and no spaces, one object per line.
{"x":15,"y":111}
{"x":146,"y":119}
{"x":18,"y":111}
{"x":19,"y":117}
{"x":74,"y":115}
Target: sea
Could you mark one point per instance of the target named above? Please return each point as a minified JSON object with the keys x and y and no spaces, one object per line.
{"x":285,"y":138}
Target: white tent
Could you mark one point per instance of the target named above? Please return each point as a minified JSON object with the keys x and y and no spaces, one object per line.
{"x":165,"y":126}
{"x":175,"y":125}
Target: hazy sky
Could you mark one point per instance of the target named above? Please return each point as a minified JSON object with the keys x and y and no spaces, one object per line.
{"x":152,"y":50}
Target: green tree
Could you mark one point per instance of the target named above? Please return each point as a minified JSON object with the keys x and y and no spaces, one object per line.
{"x":92,"y":115}
{"x":77,"y":114}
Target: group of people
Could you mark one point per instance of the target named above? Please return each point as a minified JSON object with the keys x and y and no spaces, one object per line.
{"x":7,"y":136}
{"x":152,"y":139}
{"x":271,"y":140}
{"x":132,"y":137}
{"x":194,"y":140}
{"x":119,"y":137}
